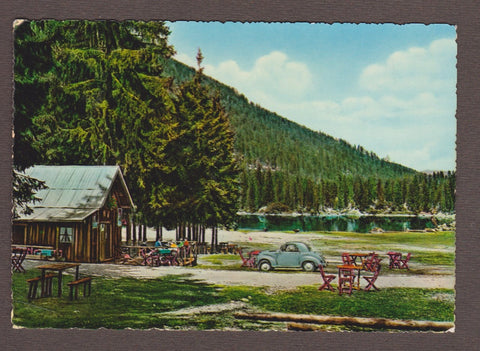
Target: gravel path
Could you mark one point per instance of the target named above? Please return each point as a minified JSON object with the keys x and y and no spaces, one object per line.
{"x":272,"y":280}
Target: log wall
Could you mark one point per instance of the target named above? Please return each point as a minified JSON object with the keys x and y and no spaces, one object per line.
{"x":88,"y":244}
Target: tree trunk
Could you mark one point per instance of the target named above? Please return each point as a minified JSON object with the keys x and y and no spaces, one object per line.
{"x":356,"y":321}
{"x":212,"y":244}
{"x":144,"y":233}
{"x":134,"y":232}
{"x":128,"y":239}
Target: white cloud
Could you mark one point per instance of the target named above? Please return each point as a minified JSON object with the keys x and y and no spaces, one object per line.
{"x":414,"y":70}
{"x":186,"y":59}
{"x":416,"y":133}
{"x":273,"y":77}
{"x":404,"y":107}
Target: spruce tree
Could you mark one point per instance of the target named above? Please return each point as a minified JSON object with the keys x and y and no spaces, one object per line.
{"x":200,"y":170}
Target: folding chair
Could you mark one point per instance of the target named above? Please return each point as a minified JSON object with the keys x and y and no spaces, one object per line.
{"x":371,"y":261}
{"x":346,"y":259}
{"x":18,"y":256}
{"x":394,"y":259}
{"x":327,"y":278}
{"x":404,"y":262}
{"x":368,"y":262}
{"x":346,"y":279}
{"x":248,"y":261}
{"x":371,"y":280}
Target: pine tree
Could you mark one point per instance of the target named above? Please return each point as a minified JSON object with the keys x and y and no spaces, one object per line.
{"x":200,"y":172}
{"x":380,"y":195}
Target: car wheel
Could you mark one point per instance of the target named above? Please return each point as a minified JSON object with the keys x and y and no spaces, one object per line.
{"x":308,"y":266}
{"x":264,"y":266}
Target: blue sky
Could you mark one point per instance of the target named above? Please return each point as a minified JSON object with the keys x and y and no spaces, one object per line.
{"x":390,"y":88}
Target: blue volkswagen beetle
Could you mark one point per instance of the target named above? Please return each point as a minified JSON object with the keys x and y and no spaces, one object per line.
{"x":293,"y":254}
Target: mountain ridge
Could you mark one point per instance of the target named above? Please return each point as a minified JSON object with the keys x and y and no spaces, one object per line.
{"x":310,"y":153}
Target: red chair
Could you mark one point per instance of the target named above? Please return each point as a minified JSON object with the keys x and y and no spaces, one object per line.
{"x":18,"y":256}
{"x":327,"y":278}
{"x":346,"y":279}
{"x":394,"y":259}
{"x":248,"y":261}
{"x":346,"y":259}
{"x":371,"y":261}
{"x":404,"y":262}
{"x":371,"y":280}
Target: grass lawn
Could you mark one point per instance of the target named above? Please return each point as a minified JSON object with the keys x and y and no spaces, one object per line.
{"x":427,"y":240}
{"x":141,"y":304}
{"x":437,"y":248}
{"x":148,"y":303}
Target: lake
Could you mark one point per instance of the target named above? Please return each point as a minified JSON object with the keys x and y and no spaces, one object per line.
{"x":362,"y":224}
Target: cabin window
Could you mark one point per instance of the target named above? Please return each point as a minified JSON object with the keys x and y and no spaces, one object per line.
{"x":119,"y":217}
{"x":66,"y":235}
{"x":95,"y":221}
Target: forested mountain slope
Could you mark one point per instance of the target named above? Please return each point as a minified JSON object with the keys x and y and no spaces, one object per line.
{"x":288,"y":167}
{"x":276,"y":142}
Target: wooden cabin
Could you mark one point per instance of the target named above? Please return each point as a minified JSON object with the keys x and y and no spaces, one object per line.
{"x":81,"y":213}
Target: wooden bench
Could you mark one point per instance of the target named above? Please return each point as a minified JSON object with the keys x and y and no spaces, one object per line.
{"x":87,"y":281}
{"x":47,"y":286}
{"x":33,"y":285}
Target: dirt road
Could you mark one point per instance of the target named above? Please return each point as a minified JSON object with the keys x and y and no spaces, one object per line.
{"x":434,"y":277}
{"x":272,"y":280}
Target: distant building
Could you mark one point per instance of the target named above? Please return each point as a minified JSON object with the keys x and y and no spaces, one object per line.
{"x":81,"y":212}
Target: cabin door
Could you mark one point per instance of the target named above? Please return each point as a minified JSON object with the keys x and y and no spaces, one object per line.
{"x":102,"y":241}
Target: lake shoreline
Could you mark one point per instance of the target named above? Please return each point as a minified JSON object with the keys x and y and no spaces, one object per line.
{"x":358,"y":222}
{"x":352,"y":214}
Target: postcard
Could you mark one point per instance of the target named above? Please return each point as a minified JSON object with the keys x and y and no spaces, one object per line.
{"x":234,"y":176}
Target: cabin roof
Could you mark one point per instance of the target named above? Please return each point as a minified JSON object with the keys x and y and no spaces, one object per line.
{"x":74,"y":192}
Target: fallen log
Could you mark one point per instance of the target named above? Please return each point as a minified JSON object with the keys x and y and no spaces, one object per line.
{"x":303,"y":327}
{"x":355,"y":321}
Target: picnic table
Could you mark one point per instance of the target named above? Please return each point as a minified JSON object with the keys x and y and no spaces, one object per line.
{"x":161,"y":257}
{"x":59,"y":267}
{"x":351,"y":267}
{"x":40,"y":250}
{"x":356,"y":255}
{"x":226,"y":247}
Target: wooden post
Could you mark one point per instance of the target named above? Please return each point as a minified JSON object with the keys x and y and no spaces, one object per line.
{"x":134,"y":232}
{"x":57,"y":241}
{"x":129,"y":230}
